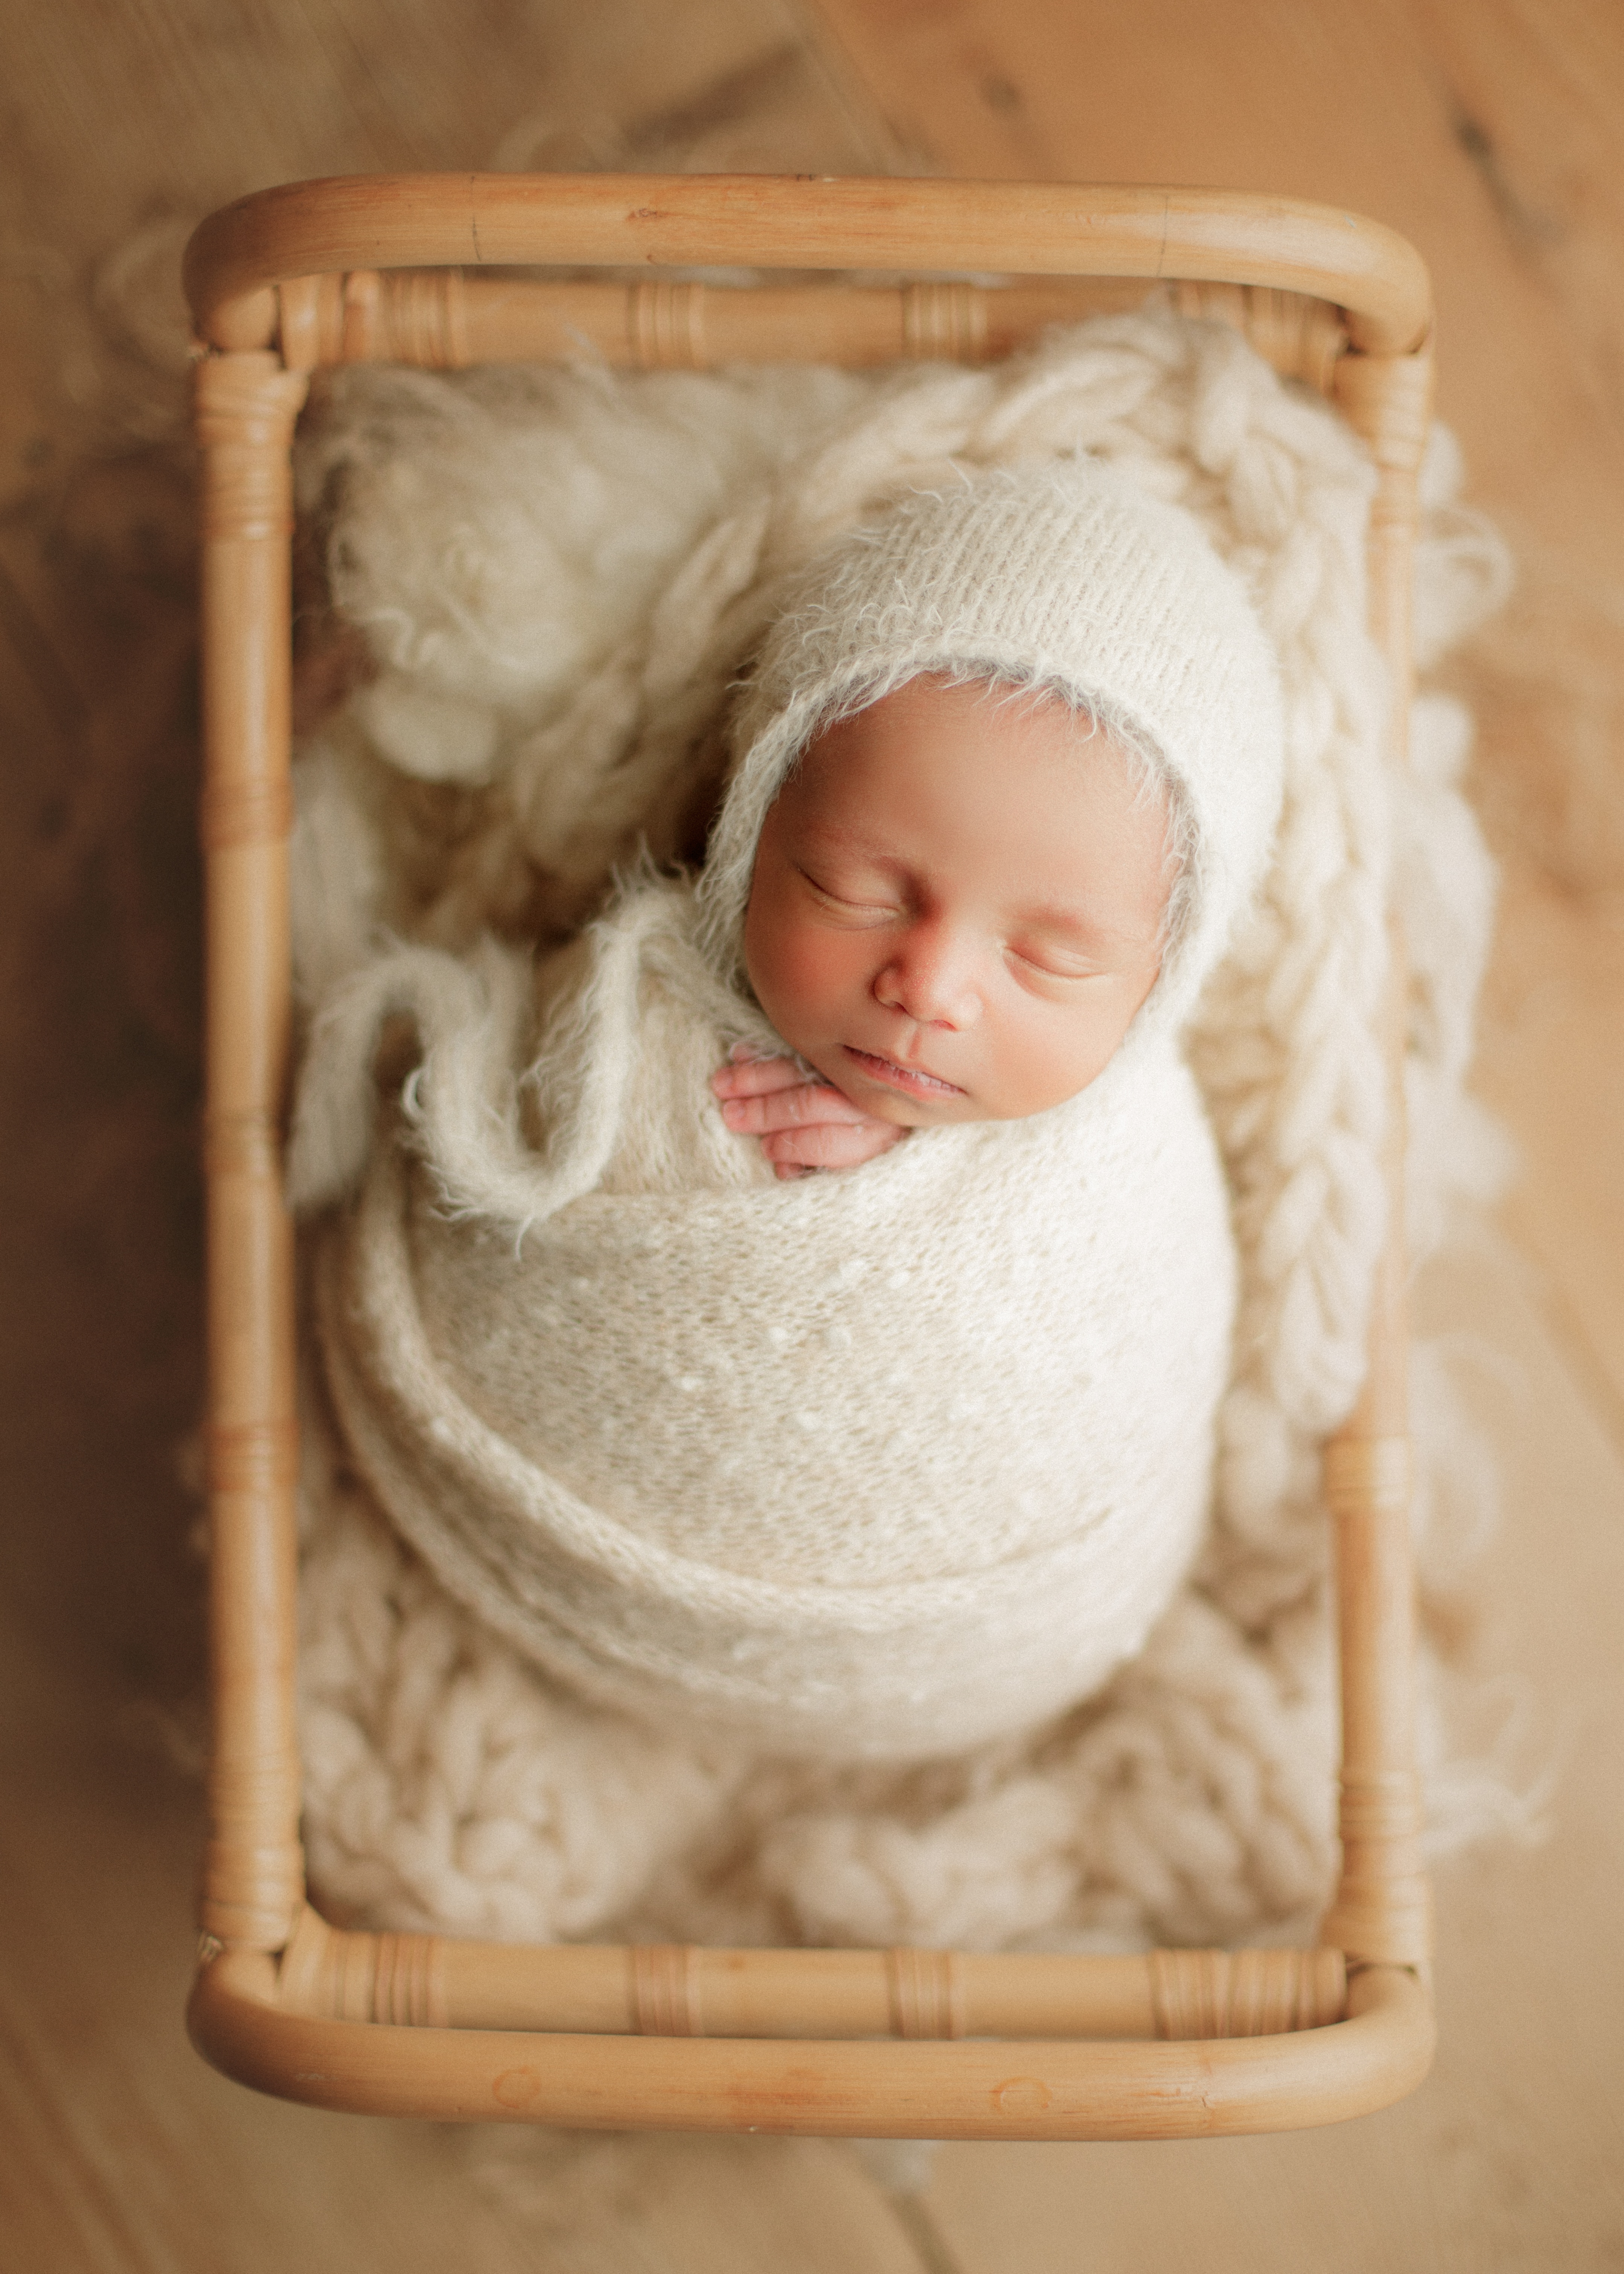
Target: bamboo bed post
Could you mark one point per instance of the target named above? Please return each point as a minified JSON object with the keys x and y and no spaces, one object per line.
{"x":1168,"y":2044}
{"x":445,"y":320}
{"x":254,"y":1879}
{"x":680,"y":1990}
{"x":1382,"y":1907}
{"x":372,"y":223}
{"x":972,"y":2089}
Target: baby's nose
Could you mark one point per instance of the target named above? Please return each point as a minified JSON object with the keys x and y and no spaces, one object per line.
{"x":931,"y":980}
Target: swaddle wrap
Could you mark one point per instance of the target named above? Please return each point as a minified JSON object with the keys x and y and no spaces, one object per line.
{"x":878,"y":1464}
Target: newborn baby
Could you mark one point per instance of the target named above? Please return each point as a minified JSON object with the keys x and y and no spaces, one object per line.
{"x":883,"y":1463}
{"x":957,"y":909}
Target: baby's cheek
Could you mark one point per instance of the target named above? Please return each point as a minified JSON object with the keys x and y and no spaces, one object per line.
{"x":1044,"y":1069}
{"x":816,"y":966}
{"x":801,"y":974}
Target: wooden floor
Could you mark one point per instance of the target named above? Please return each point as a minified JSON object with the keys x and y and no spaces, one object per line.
{"x":1487,"y":131}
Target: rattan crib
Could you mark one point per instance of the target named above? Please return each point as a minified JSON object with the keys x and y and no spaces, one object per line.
{"x":901,"y":2042}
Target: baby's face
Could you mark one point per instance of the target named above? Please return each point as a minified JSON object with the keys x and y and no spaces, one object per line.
{"x":957,"y":905}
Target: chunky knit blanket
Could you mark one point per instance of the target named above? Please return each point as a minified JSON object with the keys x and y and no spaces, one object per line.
{"x":491,"y":1744}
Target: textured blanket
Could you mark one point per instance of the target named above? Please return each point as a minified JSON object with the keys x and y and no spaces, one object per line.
{"x":886,"y":1463}
{"x":452,"y":1781}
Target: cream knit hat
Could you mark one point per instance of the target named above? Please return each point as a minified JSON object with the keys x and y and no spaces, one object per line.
{"x":1059,"y":575}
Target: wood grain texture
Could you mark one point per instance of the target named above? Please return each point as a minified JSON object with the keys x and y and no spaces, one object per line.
{"x":1551,"y":1065}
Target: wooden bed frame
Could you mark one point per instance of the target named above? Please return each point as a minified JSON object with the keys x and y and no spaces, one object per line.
{"x":428,"y":270}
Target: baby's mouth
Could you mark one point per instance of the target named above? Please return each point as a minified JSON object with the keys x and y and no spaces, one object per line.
{"x":900,"y":1077}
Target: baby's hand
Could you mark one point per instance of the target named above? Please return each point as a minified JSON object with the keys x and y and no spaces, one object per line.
{"x":803,"y":1123}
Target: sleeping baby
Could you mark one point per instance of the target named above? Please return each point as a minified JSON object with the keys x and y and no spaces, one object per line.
{"x":857,"y":1398}
{"x":975,"y":883}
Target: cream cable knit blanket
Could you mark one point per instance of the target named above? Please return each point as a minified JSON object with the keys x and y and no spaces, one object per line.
{"x":447,"y":1781}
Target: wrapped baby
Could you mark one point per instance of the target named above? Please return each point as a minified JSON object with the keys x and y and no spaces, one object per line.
{"x":856,"y":1398}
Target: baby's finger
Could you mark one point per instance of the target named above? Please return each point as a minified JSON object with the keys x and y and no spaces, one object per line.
{"x":756,"y":1077}
{"x":808,"y":1105}
{"x":833,"y":1145}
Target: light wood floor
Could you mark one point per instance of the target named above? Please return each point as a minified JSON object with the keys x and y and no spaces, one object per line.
{"x":1489,"y":130}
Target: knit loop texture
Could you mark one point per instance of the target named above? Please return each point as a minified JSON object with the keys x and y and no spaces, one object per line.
{"x":560,"y":577}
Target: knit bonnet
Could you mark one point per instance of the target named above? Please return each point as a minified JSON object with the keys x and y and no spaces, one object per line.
{"x":1060,"y":576}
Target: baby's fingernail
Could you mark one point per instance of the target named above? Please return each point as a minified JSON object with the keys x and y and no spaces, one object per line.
{"x":733,"y":1111}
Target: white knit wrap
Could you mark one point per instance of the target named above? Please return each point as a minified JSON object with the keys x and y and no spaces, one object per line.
{"x":882,"y":1463}
{"x":646,"y":532}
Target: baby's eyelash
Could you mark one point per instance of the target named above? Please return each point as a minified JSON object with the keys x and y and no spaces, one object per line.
{"x":837,"y":901}
{"x":1052,"y":971}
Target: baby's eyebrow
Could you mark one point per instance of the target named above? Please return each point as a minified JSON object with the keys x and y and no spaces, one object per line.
{"x":836,"y":837}
{"x":840,"y":832}
{"x":1070,"y":916}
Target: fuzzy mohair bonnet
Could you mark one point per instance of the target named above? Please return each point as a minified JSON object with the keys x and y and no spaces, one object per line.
{"x":1060,"y":576}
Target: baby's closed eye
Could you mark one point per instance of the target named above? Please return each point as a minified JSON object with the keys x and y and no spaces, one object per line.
{"x":853,"y":897}
{"x":1052,"y":966}
{"x":1056,"y":963}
